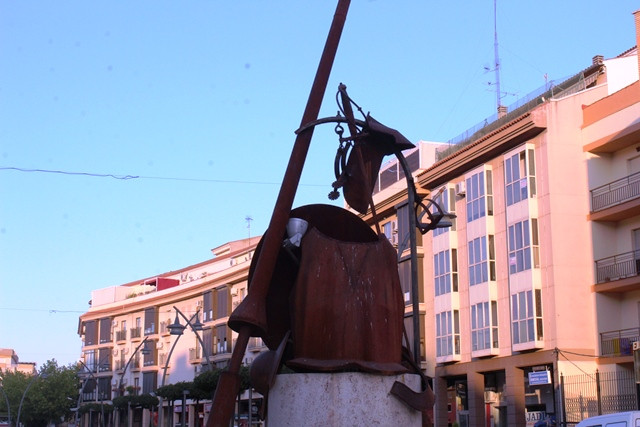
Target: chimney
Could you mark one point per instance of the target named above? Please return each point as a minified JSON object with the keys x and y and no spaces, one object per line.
{"x":636,"y":16}
{"x":502,"y":111}
{"x":597,"y":60}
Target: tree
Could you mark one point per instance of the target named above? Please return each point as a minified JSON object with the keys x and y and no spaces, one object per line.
{"x":49,"y":399}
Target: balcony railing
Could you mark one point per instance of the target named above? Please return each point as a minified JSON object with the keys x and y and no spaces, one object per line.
{"x":194,"y":355}
{"x":618,"y":266}
{"x":136,"y":332}
{"x":121,"y":335}
{"x":615,"y":192}
{"x":619,"y":343}
{"x":256,"y":344}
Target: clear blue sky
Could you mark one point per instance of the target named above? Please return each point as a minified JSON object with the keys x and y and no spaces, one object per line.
{"x":200,"y":99}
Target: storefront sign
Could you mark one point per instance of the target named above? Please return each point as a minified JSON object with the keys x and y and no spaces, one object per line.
{"x":539,"y":378}
{"x":534,"y":416}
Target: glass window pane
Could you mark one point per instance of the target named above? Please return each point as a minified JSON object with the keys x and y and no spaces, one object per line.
{"x":522,"y":305}
{"x":523,"y":331}
{"x":507,"y":168}
{"x":530,"y":330}
{"x":514,"y":306}
{"x":516,"y":334}
{"x":518,"y":234}
{"x":481,"y":184}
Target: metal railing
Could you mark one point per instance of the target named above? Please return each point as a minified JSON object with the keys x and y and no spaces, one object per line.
{"x":616,"y":192}
{"x":619,"y":343}
{"x":618,"y":267}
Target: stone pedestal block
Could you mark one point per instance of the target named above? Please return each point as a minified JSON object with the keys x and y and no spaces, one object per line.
{"x":340,"y":399}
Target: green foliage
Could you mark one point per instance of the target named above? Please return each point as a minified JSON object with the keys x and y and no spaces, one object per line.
{"x":142,"y":401}
{"x":50,"y":395}
{"x":105,"y":408}
{"x":173,"y":392}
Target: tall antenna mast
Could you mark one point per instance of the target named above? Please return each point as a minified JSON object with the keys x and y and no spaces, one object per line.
{"x":495,"y":51}
{"x":248,"y":219}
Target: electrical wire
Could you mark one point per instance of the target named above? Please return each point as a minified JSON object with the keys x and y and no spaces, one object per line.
{"x":129,"y":177}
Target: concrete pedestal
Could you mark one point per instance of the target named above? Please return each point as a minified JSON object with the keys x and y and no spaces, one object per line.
{"x":340,"y":399}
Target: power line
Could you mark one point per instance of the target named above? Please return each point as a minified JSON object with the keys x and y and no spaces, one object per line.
{"x":49,"y":310}
{"x":129,"y":177}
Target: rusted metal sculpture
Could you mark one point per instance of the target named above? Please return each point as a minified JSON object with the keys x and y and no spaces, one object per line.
{"x":250,"y":316}
{"x":331,"y":300}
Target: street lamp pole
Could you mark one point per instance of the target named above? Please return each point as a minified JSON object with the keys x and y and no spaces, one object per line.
{"x":176,"y":328}
{"x":41,"y":374}
{"x":144,"y":351}
{"x":97,"y":390}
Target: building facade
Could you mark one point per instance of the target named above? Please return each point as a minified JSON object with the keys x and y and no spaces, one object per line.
{"x":9,"y":361}
{"x":127,"y":346}
{"x":536,"y":281}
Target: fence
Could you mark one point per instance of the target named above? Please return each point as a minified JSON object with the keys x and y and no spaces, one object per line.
{"x":587,"y":395}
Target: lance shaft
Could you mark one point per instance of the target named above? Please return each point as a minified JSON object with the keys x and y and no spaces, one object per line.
{"x":249,"y":319}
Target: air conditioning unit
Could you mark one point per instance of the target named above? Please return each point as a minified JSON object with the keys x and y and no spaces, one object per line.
{"x":234,"y":292}
{"x":159,"y":345}
{"x":199,"y":303}
{"x":115,"y":352}
{"x":461,"y":189}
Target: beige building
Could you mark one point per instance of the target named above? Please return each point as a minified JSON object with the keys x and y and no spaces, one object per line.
{"x":125,"y":322}
{"x":9,"y":361}
{"x":514,"y":310}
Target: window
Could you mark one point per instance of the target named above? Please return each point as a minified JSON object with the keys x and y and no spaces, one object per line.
{"x":447,"y":333}
{"x":222,"y":304}
{"x":479,"y":195}
{"x":484,"y":326}
{"x":104,"y":360}
{"x":149,"y":381}
{"x":446,"y":272}
{"x":523,"y":246}
{"x":91,"y":332}
{"x":404,"y":272}
{"x":520,"y":176}
{"x":90,"y":361}
{"x":150,"y":320}
{"x":207,"y":304}
{"x":390,"y":231}
{"x":105,"y":330}
{"x":221,"y":344}
{"x":478,"y":261}
{"x":447,"y":201}
{"x":104,"y":388}
{"x":526,"y":317}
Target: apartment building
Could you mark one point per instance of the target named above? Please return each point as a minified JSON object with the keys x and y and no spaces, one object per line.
{"x":512,"y":302}
{"x":9,"y":361}
{"x":126,"y":341}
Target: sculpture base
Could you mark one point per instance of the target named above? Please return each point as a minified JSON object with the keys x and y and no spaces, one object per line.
{"x":340,"y":399}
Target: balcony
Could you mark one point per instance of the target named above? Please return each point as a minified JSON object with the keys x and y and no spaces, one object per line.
{"x":256,"y":344}
{"x":136,"y":333}
{"x":617,"y":200}
{"x":618,"y":343}
{"x":121,"y":335}
{"x":195,"y":355}
{"x":618,"y":273}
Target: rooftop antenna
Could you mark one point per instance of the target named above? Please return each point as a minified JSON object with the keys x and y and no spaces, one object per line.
{"x":495,"y":52}
{"x":248,"y":219}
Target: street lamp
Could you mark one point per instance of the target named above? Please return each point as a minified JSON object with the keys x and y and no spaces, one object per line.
{"x":41,"y":374}
{"x":145,"y":351}
{"x":97,"y":390}
{"x":177,"y":329}
{"x":6,"y":400}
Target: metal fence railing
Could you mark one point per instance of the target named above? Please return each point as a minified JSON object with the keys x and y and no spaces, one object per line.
{"x":618,"y":343}
{"x":617,"y":267}
{"x":616,"y":192}
{"x":599,"y":393}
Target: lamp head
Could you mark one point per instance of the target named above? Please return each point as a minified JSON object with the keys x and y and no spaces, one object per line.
{"x":176,"y":328}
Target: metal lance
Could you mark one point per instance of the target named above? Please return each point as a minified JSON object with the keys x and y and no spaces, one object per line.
{"x":249,"y":318}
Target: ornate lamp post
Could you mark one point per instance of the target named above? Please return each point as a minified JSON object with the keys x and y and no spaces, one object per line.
{"x":176,"y":328}
{"x":41,"y":374}
{"x":145,"y":350}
